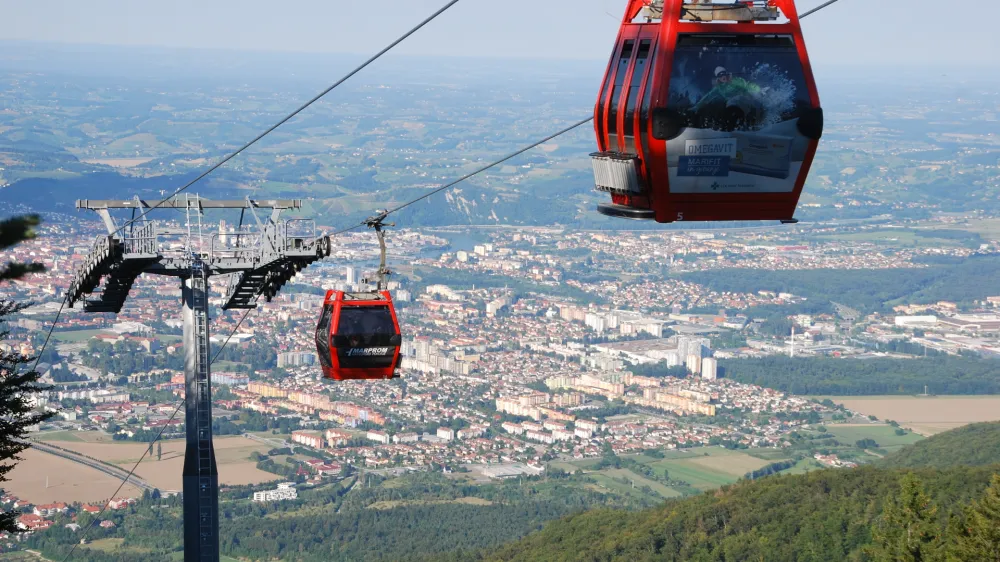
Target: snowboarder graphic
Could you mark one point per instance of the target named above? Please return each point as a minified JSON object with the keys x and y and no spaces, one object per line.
{"x":733,"y":103}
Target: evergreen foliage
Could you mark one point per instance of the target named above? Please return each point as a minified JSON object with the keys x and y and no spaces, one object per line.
{"x":979,"y":538}
{"x":861,"y":377}
{"x":17,"y":414}
{"x":869,"y":290}
{"x":976,"y":444}
{"x":823,"y":515}
{"x":14,"y":231}
{"x":907,"y":530}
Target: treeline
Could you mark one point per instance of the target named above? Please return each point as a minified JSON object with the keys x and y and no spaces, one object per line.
{"x":659,"y":369}
{"x":870,"y":290}
{"x":359,"y":518}
{"x":824,"y":515}
{"x":124,"y":358}
{"x":402,"y":533}
{"x":980,"y":445}
{"x":773,"y":468}
{"x":860,"y":377}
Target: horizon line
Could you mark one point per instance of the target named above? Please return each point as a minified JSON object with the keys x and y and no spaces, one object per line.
{"x":69,"y":45}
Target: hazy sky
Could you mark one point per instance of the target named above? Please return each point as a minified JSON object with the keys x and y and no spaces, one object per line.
{"x":849,"y":32}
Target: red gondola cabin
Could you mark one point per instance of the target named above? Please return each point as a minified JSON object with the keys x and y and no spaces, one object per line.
{"x":710,"y":113}
{"x":358,"y":336}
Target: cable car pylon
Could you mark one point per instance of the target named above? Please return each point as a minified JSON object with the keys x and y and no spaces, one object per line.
{"x":261,"y":258}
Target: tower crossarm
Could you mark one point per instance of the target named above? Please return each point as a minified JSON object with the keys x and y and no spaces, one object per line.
{"x":283,"y":254}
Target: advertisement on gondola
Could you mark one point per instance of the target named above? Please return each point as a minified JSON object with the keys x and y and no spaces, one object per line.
{"x":739,"y":98}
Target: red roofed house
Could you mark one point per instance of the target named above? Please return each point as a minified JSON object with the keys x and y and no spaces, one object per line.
{"x":32,"y":522}
{"x":49,"y":509}
{"x":121,"y":503}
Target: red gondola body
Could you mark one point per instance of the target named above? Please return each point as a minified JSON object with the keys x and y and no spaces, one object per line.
{"x":358,"y":336}
{"x":707,"y":120}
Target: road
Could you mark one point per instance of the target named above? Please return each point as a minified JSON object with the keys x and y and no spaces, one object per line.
{"x":108,"y":469}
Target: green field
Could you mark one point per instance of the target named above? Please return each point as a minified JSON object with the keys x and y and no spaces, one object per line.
{"x":699,"y":477}
{"x":561,"y":465}
{"x":804,"y":466}
{"x":770,"y":455}
{"x":78,"y":336}
{"x":608,"y":483}
{"x":57,"y":436}
{"x":884,"y":435}
{"x":703,"y":468}
{"x":218,"y":365}
{"x":21,"y":556}
{"x":640,"y":481}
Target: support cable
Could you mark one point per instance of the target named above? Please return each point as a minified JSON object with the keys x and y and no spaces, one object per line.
{"x":513,"y":154}
{"x":407,"y":204}
{"x":219,"y":164}
{"x":155,"y":439}
{"x":49,"y":334}
{"x":816,"y":9}
{"x":383,"y":215}
{"x":469,"y":175}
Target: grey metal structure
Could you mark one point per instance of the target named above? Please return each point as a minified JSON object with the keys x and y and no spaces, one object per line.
{"x":258,"y":257}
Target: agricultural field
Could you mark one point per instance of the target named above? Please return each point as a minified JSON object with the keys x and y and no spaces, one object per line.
{"x":78,"y":336}
{"x":71,"y":436}
{"x":44,"y":478}
{"x":640,"y":481}
{"x":114,"y":546}
{"x":884,"y":435}
{"x":390,"y":504}
{"x":928,"y":415}
{"x":710,"y":468}
{"x":703,"y":468}
{"x":231,"y":453}
{"x":21,"y":556}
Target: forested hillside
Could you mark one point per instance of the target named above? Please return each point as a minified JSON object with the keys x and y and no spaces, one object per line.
{"x":869,"y":290}
{"x":400,"y":519}
{"x":856,"y":377}
{"x":824,"y":515}
{"x":832,"y":514}
{"x":977,"y":444}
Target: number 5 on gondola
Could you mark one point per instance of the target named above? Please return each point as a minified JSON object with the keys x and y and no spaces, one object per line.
{"x":707,"y":112}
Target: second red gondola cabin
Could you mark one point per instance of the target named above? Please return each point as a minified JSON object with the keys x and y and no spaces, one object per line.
{"x":707,"y":112}
{"x":358,"y":336}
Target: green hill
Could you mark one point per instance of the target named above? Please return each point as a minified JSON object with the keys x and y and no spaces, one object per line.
{"x":823,"y":515}
{"x":977,"y":444}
